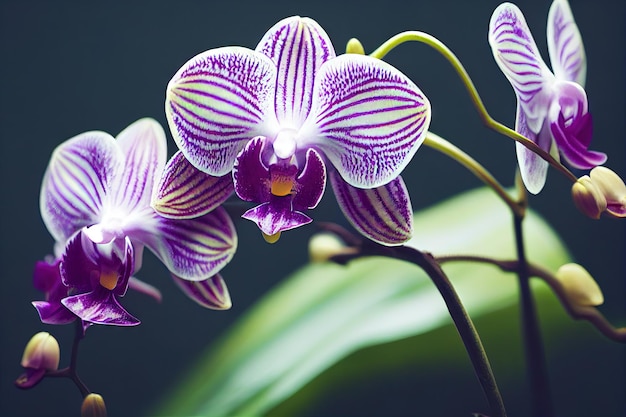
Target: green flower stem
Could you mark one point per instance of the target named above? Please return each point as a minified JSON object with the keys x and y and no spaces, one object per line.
{"x":461,"y":319}
{"x":541,"y":400}
{"x":576,"y":311}
{"x":440,"y":144}
{"x":436,"y":44}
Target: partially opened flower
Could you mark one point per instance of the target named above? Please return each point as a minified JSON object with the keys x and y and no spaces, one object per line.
{"x":283,"y":114}
{"x":552,"y":108}
{"x":95,"y":201}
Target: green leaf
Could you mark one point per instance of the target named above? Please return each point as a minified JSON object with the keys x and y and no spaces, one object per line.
{"x":324,"y":312}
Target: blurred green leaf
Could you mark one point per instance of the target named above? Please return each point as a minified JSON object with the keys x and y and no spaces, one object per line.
{"x":324,"y":312}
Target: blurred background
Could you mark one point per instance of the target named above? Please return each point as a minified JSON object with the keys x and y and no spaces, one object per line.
{"x":69,"y":67}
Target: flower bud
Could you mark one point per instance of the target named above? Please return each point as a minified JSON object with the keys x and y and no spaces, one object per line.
{"x":93,"y":406}
{"x":580,"y":287}
{"x":588,"y":197}
{"x":354,"y":46}
{"x":324,"y":246}
{"x":613,"y":189}
{"x":41,"y":354}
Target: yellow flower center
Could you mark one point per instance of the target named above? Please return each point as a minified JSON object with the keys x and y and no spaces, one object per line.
{"x":271,"y":238}
{"x":108,"y":279}
{"x":281,"y":185}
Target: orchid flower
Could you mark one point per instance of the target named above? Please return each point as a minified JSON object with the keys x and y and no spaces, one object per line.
{"x":96,"y":202}
{"x":552,"y":108}
{"x":288,"y":114}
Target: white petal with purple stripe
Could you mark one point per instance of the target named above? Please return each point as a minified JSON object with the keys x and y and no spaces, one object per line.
{"x":382,"y":214}
{"x":216,"y":102}
{"x":298,"y":47}
{"x":368,"y":119}
{"x":565,"y":45}
{"x":76,"y":182}
{"x":210,"y":293}
{"x":516,"y":54}
{"x":192,"y":249}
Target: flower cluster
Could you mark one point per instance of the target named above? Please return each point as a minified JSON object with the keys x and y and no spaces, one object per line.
{"x":271,"y":125}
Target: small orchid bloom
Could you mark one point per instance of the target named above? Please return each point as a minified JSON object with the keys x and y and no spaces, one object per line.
{"x":287,"y":115}
{"x":42,"y":354}
{"x":552,"y":108}
{"x":96,"y":202}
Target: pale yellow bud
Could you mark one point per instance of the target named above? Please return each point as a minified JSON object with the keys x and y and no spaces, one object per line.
{"x":613,"y":189}
{"x":93,"y":406}
{"x":354,"y":46}
{"x":579,"y":285}
{"x":42,"y":352}
{"x":588,"y":197}
{"x":324,"y":246}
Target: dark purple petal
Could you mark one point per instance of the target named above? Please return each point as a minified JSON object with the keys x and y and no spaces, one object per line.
{"x":100,"y":307}
{"x":218,"y":101}
{"x":382,"y":214}
{"x":77,"y":181}
{"x":46,"y":276}
{"x":209,"y":293}
{"x":145,"y":149}
{"x":53,"y":312}
{"x":77,"y":269}
{"x":533,"y":168}
{"x":571,"y":141}
{"x":251,"y":177}
{"x":190,"y":248}
{"x":565,"y":44}
{"x":516,"y":54}
{"x":368,"y":119}
{"x":185,"y":192}
{"x":277,"y":215}
{"x":30,"y":378}
{"x":311,"y":182}
{"x":298,"y":46}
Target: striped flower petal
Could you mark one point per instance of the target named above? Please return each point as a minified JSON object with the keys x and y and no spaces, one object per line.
{"x":145,"y":148}
{"x":298,"y":47}
{"x":217,"y":102}
{"x":209,"y":293}
{"x":516,"y":54}
{"x":192,"y":249}
{"x":565,"y":45}
{"x":76,"y":182}
{"x":184,"y":192}
{"x":533,"y":168}
{"x":100,"y":306}
{"x":382,"y":214}
{"x":368,"y":119}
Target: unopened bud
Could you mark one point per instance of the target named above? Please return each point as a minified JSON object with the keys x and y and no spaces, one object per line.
{"x":613,"y":189}
{"x":579,"y":285}
{"x":93,"y":406}
{"x":324,"y":246}
{"x":354,"y":46}
{"x":588,"y":197}
{"x":42,"y":352}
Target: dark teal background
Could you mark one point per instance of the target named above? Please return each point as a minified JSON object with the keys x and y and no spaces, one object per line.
{"x":69,"y":67}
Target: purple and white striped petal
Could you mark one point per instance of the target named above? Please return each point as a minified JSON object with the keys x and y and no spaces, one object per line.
{"x":218,"y":101}
{"x":298,"y":47}
{"x":192,"y":249}
{"x":77,"y":181}
{"x":368,"y":119}
{"x":184,"y":192}
{"x":516,"y":54}
{"x":276,"y":216}
{"x":382,"y":214}
{"x":533,"y":168}
{"x":565,"y":45}
{"x":210,"y":293}
{"x":145,"y":149}
{"x":100,"y":307}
